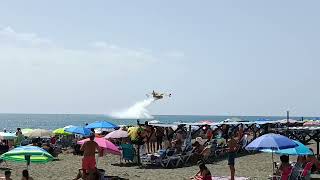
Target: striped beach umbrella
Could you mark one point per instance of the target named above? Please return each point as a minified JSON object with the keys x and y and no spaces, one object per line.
{"x":27,"y":154}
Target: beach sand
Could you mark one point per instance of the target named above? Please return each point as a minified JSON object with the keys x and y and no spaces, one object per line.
{"x":256,"y":166}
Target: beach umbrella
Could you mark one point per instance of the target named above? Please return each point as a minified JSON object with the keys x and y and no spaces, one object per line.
{"x":27,"y":154}
{"x":233,"y":119}
{"x":69,"y":126}
{"x":285,"y":121}
{"x":299,"y":150}
{"x":7,"y":136}
{"x":106,"y":145}
{"x":79,"y":130}
{"x":38,"y":133}
{"x":271,"y":142}
{"x":312,"y":123}
{"x":102,"y":124}
{"x":25,"y":131}
{"x":117,"y":134}
{"x":206,"y":122}
{"x":61,"y":131}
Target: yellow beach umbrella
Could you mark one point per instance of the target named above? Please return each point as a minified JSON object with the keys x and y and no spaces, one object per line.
{"x":60,"y":131}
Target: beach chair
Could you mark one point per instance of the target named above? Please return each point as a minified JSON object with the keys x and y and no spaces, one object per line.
{"x":185,"y":156}
{"x":170,"y":158}
{"x":127,"y":152}
{"x":243,"y":143}
{"x":305,"y":173}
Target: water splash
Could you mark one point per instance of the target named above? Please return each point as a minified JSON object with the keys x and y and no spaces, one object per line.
{"x":137,"y":111}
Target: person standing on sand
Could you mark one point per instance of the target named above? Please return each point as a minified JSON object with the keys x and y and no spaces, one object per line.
{"x":7,"y":175}
{"x":89,"y":150}
{"x":25,"y":175}
{"x":232,"y":150}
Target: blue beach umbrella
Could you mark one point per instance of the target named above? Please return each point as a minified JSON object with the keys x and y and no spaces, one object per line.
{"x":271,"y":143}
{"x":102,"y":124}
{"x":299,"y":150}
{"x":79,"y":130}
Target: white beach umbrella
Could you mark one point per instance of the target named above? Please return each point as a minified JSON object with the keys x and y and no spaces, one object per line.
{"x":38,"y":133}
{"x":7,"y":136}
{"x":69,"y":126}
{"x":117,"y":134}
{"x":284,"y":121}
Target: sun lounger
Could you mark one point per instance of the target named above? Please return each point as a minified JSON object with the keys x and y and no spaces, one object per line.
{"x":185,"y":156}
{"x":165,"y":158}
{"x":171,"y":158}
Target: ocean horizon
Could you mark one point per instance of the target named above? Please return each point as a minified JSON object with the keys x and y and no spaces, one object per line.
{"x":11,"y":121}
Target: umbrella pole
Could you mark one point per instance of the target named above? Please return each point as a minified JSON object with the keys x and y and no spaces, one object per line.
{"x":272,"y":164}
{"x":97,"y":160}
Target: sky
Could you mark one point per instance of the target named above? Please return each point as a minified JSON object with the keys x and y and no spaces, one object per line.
{"x":215,"y":57}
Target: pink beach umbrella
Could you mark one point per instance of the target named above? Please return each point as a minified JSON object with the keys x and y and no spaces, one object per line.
{"x":106,"y":145}
{"x":312,"y":123}
{"x":117,"y":134}
{"x":206,"y":122}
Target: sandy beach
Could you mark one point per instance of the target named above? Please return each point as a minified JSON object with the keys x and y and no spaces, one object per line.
{"x":256,"y":166}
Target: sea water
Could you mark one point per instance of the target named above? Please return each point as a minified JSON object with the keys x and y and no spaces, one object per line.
{"x":53,"y":121}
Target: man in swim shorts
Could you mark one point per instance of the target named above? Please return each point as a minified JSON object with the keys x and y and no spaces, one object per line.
{"x":232,"y":150}
{"x":89,"y":150}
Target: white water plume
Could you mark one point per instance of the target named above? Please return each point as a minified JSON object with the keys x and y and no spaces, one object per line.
{"x":137,"y":111}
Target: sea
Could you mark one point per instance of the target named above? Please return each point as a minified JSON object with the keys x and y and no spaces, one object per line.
{"x":53,"y":121}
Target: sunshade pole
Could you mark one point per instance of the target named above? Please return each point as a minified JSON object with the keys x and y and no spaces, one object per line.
{"x":272,"y":163}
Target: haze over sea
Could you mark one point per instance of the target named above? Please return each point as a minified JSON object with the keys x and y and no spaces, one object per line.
{"x":53,"y":121}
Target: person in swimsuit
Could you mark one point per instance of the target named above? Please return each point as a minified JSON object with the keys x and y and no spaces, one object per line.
{"x":177,"y":143}
{"x":89,"y":150}
{"x":7,"y":175}
{"x":232,"y":150}
{"x":159,"y":135}
{"x":25,"y":175}
{"x":285,"y":168}
{"x":203,"y":173}
{"x":152,"y":139}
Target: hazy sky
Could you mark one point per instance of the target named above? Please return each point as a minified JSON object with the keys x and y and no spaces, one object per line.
{"x":215,"y":57}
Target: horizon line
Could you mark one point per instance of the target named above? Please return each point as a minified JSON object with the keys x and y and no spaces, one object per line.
{"x":296,"y":116}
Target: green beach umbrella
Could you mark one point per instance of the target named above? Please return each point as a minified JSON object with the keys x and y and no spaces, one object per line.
{"x":61,"y":131}
{"x":27,"y":154}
